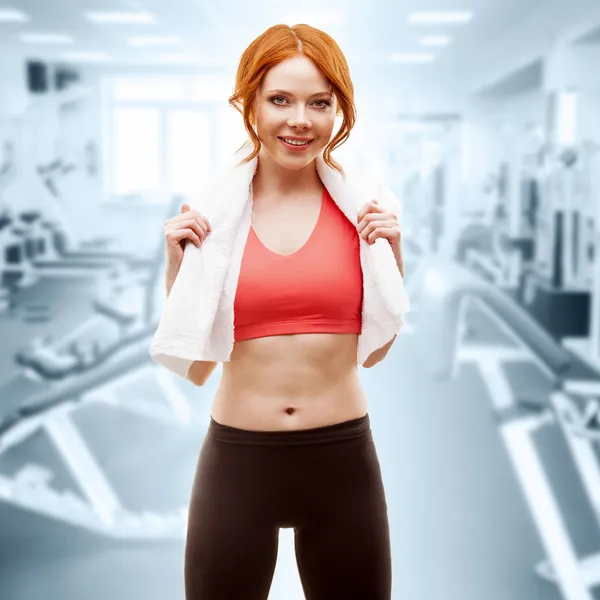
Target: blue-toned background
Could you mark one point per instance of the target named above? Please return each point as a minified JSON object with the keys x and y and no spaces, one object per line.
{"x":483,"y":117}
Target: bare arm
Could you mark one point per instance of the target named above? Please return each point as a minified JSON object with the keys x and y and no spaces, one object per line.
{"x":378,"y":355}
{"x":170,"y":276}
{"x":200,"y":371}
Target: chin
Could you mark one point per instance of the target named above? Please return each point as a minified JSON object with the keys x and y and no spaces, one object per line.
{"x":296,"y":165}
{"x":296,"y":161}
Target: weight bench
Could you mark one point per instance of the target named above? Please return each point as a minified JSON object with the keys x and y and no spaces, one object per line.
{"x":445,"y":289}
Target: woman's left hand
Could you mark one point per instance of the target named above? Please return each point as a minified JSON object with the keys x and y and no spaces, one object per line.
{"x":374,"y":222}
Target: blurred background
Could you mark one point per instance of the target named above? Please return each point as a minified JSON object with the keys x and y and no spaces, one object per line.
{"x":482,"y":115}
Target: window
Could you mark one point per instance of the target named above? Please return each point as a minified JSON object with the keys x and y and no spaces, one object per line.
{"x":187,"y":150}
{"x":167,"y":135}
{"x":136,"y":150}
{"x":149,"y":89}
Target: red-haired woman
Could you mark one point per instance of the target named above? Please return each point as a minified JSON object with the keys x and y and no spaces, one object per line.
{"x":289,"y":442}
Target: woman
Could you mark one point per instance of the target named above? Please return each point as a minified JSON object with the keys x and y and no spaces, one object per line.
{"x":289,"y":442}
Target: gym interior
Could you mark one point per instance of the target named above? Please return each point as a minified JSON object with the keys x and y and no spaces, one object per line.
{"x":484,"y":119}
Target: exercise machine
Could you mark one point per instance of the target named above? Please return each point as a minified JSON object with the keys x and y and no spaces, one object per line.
{"x":446,"y":292}
{"x":83,"y":374}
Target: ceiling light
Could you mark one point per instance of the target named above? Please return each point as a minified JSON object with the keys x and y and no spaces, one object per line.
{"x":439,"y":16}
{"x":86,"y":56}
{"x":120,"y":17}
{"x":11,"y":15}
{"x":436,"y":40}
{"x":156,"y":40}
{"x":45,"y":38}
{"x":412,"y":57}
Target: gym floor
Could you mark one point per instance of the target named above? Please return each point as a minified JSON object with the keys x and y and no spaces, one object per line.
{"x":460,"y":525}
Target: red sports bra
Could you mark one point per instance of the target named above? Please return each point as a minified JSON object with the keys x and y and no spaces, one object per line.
{"x":317,"y":289}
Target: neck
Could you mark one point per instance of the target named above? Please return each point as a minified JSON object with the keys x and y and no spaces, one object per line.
{"x":272,"y":178}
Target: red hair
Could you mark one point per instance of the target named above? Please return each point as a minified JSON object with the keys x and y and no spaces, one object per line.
{"x":279,"y":43}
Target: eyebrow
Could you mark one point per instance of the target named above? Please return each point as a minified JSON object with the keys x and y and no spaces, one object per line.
{"x":290,"y":93}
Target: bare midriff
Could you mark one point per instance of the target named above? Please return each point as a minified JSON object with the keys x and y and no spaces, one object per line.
{"x":290,"y":382}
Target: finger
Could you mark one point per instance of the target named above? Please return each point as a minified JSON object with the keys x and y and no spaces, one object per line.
{"x":367,"y":228}
{"x":368,"y":207}
{"x":198,"y":225}
{"x":181,"y":215}
{"x":175,"y":236}
{"x":203,"y":223}
{"x":388,"y":233}
{"x":184,"y":218}
{"x":202,"y":218}
{"x":369,"y":222}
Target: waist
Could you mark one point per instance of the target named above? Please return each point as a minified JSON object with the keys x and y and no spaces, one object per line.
{"x":295,"y":364}
{"x":345,"y":430}
{"x":290,"y":382}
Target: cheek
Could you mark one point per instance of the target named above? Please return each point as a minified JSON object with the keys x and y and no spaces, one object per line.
{"x":264,"y":120}
{"x":326,"y":124}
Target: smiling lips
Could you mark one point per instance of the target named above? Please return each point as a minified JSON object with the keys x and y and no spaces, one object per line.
{"x":296,"y":144}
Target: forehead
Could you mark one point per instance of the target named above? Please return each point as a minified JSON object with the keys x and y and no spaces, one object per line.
{"x":296,"y":74}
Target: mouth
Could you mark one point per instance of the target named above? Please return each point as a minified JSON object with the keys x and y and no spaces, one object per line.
{"x":295,"y":145}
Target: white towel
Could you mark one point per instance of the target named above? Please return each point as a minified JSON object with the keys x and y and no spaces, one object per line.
{"x":197,"y":321}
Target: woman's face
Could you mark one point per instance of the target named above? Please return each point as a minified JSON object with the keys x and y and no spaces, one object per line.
{"x":295,"y":101}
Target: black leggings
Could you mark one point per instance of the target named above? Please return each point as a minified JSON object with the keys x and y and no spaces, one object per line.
{"x":324,"y":482}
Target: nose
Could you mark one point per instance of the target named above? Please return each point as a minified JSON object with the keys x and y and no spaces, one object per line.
{"x":298,"y":119}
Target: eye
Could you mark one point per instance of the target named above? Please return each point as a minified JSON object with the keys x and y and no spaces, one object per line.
{"x":277,"y":98}
{"x":327,"y":103}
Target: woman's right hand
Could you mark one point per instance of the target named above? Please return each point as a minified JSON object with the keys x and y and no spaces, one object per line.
{"x":188,"y":225}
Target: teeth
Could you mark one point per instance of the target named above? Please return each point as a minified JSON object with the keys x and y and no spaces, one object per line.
{"x":296,"y":143}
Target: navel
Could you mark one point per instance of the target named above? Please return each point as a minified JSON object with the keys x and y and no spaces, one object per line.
{"x":290,"y":410}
